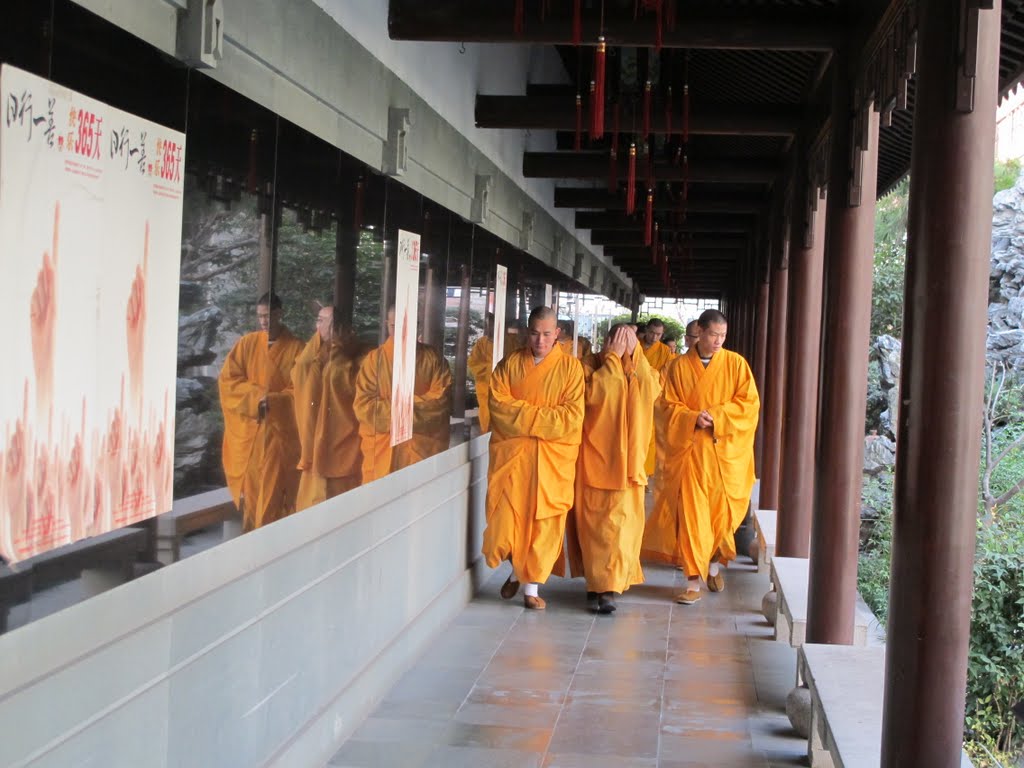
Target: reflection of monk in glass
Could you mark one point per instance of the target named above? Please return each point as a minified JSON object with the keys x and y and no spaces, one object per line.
{"x":566,"y":328}
{"x":480,"y":363}
{"x":261,"y":441}
{"x":431,"y":407}
{"x":325,"y":386}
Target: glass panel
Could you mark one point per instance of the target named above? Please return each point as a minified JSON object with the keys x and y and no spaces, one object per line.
{"x":227,"y":243}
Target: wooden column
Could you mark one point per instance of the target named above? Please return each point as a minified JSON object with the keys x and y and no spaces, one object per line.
{"x":800,"y":415}
{"x":942,"y":386}
{"x":760,"y":361}
{"x":849,"y":249}
{"x":775,"y":369}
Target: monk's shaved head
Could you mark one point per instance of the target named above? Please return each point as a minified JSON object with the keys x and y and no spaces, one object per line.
{"x":542,"y":313}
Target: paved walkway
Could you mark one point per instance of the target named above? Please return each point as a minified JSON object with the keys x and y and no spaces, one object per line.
{"x":655,"y":685}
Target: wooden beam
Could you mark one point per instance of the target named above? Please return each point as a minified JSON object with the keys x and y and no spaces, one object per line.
{"x":694,"y":222}
{"x":618,"y":238}
{"x":592,"y":165}
{"x":550,"y":112}
{"x":471,"y":21}
{"x":744,"y":201}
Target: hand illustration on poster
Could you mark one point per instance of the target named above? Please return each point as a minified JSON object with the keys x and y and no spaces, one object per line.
{"x":90,"y":227}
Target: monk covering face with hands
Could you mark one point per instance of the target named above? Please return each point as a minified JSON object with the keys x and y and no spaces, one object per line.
{"x":536,"y":406}
{"x":606,"y":527}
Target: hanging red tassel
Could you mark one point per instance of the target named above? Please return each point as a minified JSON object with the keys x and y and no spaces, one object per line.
{"x":253,"y":181}
{"x":649,"y":217}
{"x":647,"y":110}
{"x":631,"y":181}
{"x":518,"y":18}
{"x":357,"y":211}
{"x":668,"y":115}
{"x":655,"y":246}
{"x":593,"y":110}
{"x":686,"y":179}
{"x":598,"y":114}
{"x":686,"y":113}
{"x":577,"y":22}
{"x":578,"y":142}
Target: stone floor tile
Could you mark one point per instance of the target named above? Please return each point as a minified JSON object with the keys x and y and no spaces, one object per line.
{"x":489,"y":736}
{"x":597,"y":761}
{"x":478,"y":757}
{"x":598,"y":730}
{"x":515,"y":715}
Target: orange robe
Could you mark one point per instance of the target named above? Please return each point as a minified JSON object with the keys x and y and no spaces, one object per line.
{"x":536,"y":427}
{"x":707,"y":476}
{"x":479,"y":364}
{"x":331,"y":461}
{"x":260,"y":456}
{"x":606,"y":527}
{"x":659,"y":356}
{"x":432,"y":407}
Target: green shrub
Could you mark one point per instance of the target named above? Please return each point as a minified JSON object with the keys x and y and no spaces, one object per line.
{"x":995,"y":673}
{"x":1006,"y":174}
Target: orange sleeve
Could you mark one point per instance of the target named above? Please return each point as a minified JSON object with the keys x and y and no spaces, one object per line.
{"x":518,"y":418}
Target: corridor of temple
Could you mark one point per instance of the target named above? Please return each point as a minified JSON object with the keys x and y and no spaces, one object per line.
{"x":654,"y":684}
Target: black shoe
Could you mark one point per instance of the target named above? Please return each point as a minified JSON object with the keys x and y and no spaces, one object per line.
{"x":593,"y":602}
{"x":606,"y":602}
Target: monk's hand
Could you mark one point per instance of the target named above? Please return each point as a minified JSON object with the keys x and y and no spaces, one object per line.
{"x":43,"y":317}
{"x":631,"y":339}
{"x":135,"y":324}
{"x":617,"y":344}
{"x":704,"y":420}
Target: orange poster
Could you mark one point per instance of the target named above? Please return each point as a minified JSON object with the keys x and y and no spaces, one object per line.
{"x":90,"y":218}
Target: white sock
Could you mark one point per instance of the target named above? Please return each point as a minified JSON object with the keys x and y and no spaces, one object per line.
{"x":713,"y":569}
{"x":531,"y":589}
{"x":693,"y":584}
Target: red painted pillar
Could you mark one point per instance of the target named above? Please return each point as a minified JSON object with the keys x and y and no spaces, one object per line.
{"x":849,"y":249}
{"x":760,"y":362}
{"x":800,"y":415}
{"x":942,"y":384}
{"x":775,"y":373}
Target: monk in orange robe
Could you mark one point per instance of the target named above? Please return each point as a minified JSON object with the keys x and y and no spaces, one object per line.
{"x":536,"y":427}
{"x":432,"y":408}
{"x":480,"y":363}
{"x":261,"y":441}
{"x":706,"y":418}
{"x":606,"y":526}
{"x":659,"y":356}
{"x":566,"y":328}
{"x":324,"y":378}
